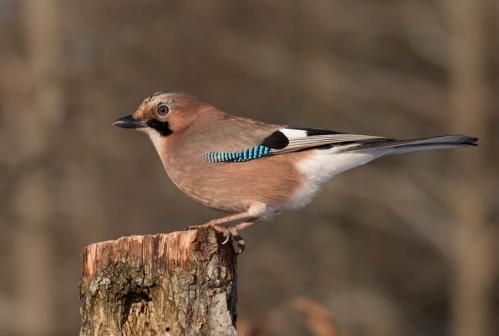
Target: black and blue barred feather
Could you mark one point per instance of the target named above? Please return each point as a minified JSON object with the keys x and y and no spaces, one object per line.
{"x":256,"y":152}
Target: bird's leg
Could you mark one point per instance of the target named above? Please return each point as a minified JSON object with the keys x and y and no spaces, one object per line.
{"x":256,"y":210}
{"x":218,"y":224}
{"x":248,"y":217}
{"x":231,"y":218}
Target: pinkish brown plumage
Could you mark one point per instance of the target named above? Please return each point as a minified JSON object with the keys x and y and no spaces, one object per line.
{"x":250,"y":168}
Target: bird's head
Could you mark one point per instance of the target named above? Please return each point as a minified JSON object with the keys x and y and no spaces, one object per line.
{"x":163,"y":114}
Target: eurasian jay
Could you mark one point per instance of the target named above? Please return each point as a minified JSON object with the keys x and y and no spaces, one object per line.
{"x":251,"y":169}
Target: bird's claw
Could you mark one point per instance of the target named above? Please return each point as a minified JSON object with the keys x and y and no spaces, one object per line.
{"x":230,"y":234}
{"x":237,"y":240}
{"x":240,"y":244}
{"x":227,"y":238}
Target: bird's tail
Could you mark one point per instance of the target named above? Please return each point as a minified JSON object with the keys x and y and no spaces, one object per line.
{"x":392,"y":146}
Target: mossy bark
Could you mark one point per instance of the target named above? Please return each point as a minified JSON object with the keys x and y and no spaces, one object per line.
{"x":181,"y":283}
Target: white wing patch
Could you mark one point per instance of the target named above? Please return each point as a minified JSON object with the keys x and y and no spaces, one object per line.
{"x":293,"y":134}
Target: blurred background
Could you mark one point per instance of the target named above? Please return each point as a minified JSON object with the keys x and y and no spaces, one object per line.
{"x":407,"y":245}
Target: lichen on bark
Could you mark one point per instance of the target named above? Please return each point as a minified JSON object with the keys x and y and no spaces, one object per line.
{"x":182,"y":283}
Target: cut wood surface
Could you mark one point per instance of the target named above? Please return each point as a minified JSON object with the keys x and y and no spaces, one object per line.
{"x":181,"y":283}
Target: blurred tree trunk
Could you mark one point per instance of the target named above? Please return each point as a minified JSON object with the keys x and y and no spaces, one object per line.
{"x":314,"y":55}
{"x":474,"y":263}
{"x":181,"y":283}
{"x":32,"y":246}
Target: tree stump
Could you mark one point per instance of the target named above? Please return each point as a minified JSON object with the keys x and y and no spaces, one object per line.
{"x":181,"y":283}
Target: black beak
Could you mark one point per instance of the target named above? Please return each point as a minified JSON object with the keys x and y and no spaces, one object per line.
{"x":129,"y":122}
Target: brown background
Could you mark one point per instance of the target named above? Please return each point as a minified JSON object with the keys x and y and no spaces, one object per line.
{"x":405,"y":246}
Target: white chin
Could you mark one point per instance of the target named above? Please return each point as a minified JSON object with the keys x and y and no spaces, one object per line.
{"x":155,"y":137}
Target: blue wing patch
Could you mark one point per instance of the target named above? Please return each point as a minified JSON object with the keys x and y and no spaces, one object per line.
{"x":241,"y":156}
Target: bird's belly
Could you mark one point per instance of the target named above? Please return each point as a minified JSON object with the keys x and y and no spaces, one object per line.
{"x":234,"y":187}
{"x":320,"y":167}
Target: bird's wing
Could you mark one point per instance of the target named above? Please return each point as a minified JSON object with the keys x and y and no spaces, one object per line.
{"x":236,"y":139}
{"x":296,"y":139}
{"x":281,"y":139}
{"x":240,"y":140}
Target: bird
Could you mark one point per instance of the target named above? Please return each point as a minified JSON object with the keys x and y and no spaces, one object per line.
{"x":253,"y":170}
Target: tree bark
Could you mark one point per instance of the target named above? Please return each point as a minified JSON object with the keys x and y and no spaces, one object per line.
{"x":181,"y":283}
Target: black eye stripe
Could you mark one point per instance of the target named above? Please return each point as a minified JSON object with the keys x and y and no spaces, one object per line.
{"x":162,"y":127}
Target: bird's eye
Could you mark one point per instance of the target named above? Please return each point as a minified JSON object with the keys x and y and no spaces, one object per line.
{"x":163,"y":110}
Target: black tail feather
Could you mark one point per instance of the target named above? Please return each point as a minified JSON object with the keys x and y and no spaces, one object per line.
{"x":405,"y":146}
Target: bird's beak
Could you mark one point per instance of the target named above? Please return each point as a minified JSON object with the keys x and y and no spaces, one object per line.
{"x":130,"y":122}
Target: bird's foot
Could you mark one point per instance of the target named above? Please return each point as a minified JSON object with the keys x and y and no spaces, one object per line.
{"x":230,"y":234}
{"x":236,"y":237}
{"x":220,"y":228}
